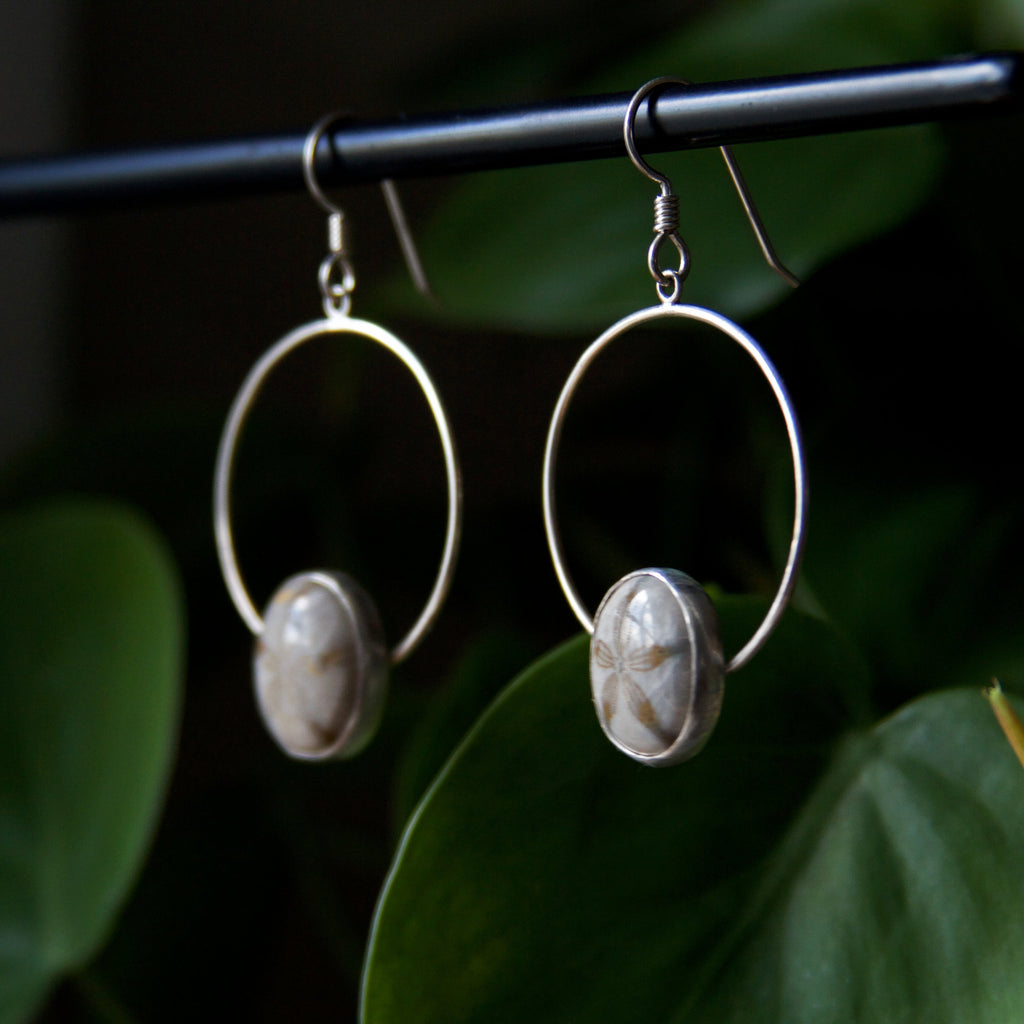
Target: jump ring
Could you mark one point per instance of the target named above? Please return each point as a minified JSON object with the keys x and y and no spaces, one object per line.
{"x":337,"y":282}
{"x":669,"y":289}
{"x":668,"y":277}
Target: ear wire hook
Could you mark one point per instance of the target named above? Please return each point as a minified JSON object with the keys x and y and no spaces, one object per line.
{"x":666,"y":205}
{"x":336,"y":219}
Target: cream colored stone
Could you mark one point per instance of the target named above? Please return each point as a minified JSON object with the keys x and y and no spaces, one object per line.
{"x":320,"y":666}
{"x":656,"y":665}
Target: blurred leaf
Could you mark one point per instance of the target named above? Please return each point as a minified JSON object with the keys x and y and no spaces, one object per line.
{"x":916,"y":574}
{"x":90,"y":660}
{"x":475,"y":682}
{"x":1001,"y":24}
{"x":769,"y":37}
{"x":564,"y":248}
{"x":799,"y":869}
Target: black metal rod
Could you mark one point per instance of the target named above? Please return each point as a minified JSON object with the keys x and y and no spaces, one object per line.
{"x":580,"y":129}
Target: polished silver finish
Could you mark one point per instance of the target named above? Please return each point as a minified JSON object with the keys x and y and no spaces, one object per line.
{"x":737,"y":334}
{"x":656,"y":667}
{"x":669,"y":283}
{"x":335,"y":324}
{"x":666,"y":207}
{"x":336,"y":276}
{"x":309,"y":161}
{"x":320,"y":666}
{"x":405,"y":239}
{"x":335,"y":265}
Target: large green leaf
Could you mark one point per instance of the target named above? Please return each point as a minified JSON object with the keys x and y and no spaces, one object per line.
{"x":90,"y":659}
{"x":804,"y":867}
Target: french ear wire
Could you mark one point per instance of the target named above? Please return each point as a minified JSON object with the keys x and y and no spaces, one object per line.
{"x":335,"y":222}
{"x":666,"y":205}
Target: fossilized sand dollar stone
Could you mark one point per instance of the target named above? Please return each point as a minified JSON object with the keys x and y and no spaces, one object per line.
{"x":320,"y":666}
{"x":656,"y":667}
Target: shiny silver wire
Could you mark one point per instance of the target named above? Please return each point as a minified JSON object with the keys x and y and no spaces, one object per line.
{"x":796,"y":544}
{"x":405,"y":239}
{"x":333,"y":324}
{"x":337,"y":282}
{"x":336,"y":276}
{"x":666,"y":206}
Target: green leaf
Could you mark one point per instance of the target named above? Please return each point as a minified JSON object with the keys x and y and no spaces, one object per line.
{"x":90,"y":661}
{"x":804,"y":867}
{"x":916,"y":573}
{"x":564,"y":248}
{"x":495,"y":655}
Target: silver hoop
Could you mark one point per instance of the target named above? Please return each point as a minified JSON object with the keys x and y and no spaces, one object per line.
{"x":743,"y":339}
{"x":335,"y":324}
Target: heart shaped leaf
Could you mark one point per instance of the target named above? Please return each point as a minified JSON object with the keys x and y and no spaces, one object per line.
{"x":806,"y":866}
{"x":90,"y":662}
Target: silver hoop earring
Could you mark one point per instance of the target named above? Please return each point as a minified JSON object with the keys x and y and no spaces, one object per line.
{"x":320,"y":665}
{"x":656,"y":664}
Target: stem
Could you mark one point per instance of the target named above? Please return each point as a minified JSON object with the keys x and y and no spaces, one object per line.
{"x":1007,"y":718}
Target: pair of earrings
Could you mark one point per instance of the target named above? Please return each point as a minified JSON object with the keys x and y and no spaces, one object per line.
{"x":656,"y":663}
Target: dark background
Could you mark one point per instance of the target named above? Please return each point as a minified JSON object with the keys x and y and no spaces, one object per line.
{"x":123,"y":336}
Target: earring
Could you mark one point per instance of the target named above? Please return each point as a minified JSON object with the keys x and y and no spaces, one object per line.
{"x":656,"y":664}
{"x":320,"y":664}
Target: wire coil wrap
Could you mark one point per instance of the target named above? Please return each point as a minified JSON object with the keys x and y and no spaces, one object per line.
{"x":666,"y":214}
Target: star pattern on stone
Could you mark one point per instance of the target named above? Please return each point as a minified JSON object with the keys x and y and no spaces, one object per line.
{"x":622,"y":660}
